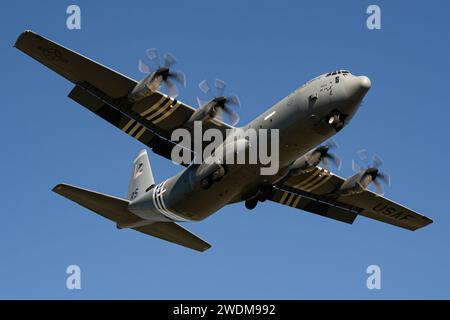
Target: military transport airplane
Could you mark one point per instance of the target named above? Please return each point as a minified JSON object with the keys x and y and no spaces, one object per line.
{"x":306,"y":118}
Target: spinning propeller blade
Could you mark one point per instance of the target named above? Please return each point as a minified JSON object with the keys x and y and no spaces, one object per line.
{"x":220,"y":105}
{"x":372,"y":170}
{"x":162,"y":73}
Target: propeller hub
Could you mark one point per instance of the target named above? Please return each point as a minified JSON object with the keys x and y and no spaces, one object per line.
{"x":323,"y":150}
{"x":220,"y":105}
{"x":164,"y":72}
{"x":373,"y":172}
{"x":220,"y":100}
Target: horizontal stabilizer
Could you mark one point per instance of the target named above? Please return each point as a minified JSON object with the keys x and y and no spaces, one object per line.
{"x":116,"y":209}
{"x":112,"y":208}
{"x":173,"y":232}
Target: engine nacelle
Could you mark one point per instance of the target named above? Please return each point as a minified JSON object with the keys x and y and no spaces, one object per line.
{"x":204,"y":112}
{"x":355,"y":184}
{"x":350,"y":189}
{"x":145,"y":88}
{"x":305,"y":163}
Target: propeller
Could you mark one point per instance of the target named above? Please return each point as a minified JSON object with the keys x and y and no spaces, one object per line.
{"x":162,"y":72}
{"x":372,"y":171}
{"x":326,"y":156}
{"x":220,"y":105}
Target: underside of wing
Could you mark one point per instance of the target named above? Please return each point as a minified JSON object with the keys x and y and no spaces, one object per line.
{"x":385,"y":210}
{"x":320,"y":186}
{"x":73,"y":66}
{"x":104,"y":92}
{"x":297,"y":199}
{"x":133,"y":123}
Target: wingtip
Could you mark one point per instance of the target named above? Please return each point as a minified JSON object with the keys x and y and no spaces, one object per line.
{"x":21,"y":35}
{"x":58,"y":187}
{"x":204,"y":248}
{"x":25,"y":33}
{"x":207,"y":247}
{"x":427,"y":221}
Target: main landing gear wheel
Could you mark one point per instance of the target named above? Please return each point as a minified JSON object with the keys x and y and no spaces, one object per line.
{"x":250,"y":204}
{"x":263,"y":194}
{"x":206,"y":183}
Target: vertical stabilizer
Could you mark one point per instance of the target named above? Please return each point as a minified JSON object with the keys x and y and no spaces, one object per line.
{"x":141,"y":176}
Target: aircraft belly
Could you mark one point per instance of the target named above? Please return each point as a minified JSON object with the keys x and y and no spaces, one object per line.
{"x":191,"y":201}
{"x":185,"y":198}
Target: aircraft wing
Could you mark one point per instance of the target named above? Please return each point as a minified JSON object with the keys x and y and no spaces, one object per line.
{"x":116,"y":209}
{"x":296,"y":199}
{"x":103,"y":91}
{"x":308,"y":191}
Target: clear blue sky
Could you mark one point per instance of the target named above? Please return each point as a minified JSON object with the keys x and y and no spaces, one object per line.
{"x":264,"y":50}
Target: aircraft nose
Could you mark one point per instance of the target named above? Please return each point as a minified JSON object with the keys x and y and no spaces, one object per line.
{"x":358,"y":87}
{"x":364,"y":82}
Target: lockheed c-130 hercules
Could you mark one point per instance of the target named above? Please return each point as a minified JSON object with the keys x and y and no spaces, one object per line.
{"x":305,"y":119}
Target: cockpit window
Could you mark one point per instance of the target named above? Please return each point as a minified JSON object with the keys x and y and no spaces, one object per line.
{"x":333,"y":73}
{"x":343,"y":72}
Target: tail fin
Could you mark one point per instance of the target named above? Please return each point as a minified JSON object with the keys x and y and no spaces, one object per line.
{"x":141,"y":176}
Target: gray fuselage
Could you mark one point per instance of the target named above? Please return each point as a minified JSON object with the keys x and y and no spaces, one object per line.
{"x":303,"y":121}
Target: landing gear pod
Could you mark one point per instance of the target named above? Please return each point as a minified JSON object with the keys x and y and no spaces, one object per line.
{"x":336,"y":120}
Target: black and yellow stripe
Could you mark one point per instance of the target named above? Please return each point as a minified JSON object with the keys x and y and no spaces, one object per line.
{"x":317,"y":178}
{"x":290,"y":199}
{"x":155,"y":114}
